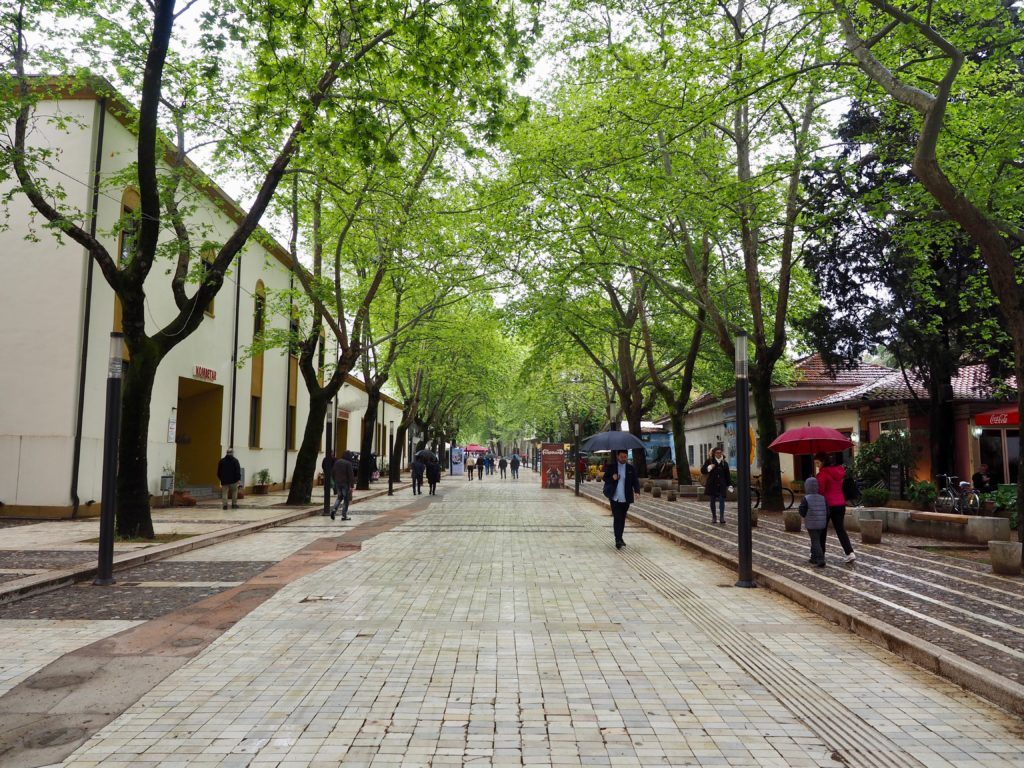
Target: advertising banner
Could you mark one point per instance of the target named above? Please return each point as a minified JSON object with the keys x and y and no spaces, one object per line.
{"x":552,"y":465}
{"x":458,"y":466}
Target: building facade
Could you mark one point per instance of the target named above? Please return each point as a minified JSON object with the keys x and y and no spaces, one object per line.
{"x":57,"y":313}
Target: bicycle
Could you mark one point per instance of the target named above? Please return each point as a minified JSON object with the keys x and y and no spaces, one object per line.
{"x":957,"y":498}
{"x":787,"y":497}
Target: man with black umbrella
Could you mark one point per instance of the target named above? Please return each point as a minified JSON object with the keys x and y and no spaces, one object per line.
{"x":620,"y":486}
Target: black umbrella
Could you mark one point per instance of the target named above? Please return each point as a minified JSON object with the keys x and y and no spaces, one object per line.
{"x":426,"y":454}
{"x":612,"y":441}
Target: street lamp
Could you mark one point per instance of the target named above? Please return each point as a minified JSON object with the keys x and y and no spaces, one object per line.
{"x":576,"y":451}
{"x":391,"y":458}
{"x":111,"y":433}
{"x":745,"y":544}
{"x":329,"y":449}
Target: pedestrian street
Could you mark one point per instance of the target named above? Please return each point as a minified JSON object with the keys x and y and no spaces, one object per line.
{"x":496,"y":624}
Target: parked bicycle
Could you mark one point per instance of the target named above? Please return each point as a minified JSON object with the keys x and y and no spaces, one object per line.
{"x":787,"y":497}
{"x":956,"y":497}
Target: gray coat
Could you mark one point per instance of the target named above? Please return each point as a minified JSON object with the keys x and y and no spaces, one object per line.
{"x":813,"y":508}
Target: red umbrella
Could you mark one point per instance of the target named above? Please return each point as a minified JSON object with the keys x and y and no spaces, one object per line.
{"x":811,"y":440}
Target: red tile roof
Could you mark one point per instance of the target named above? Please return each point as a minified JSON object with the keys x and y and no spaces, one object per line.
{"x":971,"y":383}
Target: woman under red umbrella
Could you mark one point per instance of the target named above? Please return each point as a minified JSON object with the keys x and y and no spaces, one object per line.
{"x":830,"y":485}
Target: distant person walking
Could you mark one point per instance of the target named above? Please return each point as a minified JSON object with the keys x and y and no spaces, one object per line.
{"x":620,"y":486}
{"x":830,"y":485}
{"x":814,"y":511}
{"x":514,"y":466}
{"x":717,"y":482}
{"x":229,"y":473}
{"x":470,"y":466}
{"x":417,"y":469}
{"x":480,"y":464}
{"x":344,"y":472}
{"x":433,"y":475}
{"x":502,"y":465}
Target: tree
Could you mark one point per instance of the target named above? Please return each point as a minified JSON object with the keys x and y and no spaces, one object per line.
{"x":959,"y":68}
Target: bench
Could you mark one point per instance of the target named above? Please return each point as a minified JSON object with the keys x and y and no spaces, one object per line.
{"x":939,"y":517}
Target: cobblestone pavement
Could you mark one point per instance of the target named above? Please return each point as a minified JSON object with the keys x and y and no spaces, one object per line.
{"x":500,"y":626}
{"x":955,"y":603}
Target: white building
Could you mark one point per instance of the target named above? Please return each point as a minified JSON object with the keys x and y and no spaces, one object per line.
{"x":57,"y":312}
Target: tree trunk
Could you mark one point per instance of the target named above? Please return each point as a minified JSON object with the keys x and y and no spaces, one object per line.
{"x":133,"y":516}
{"x":677,"y":418}
{"x":771,"y":475}
{"x":301,"y":490}
{"x":633,"y":418}
{"x":395,"y":459}
{"x":369,"y":422}
{"x":941,"y":422}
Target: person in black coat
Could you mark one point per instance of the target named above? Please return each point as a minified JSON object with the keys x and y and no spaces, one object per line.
{"x":433,"y":475}
{"x":229,"y":473}
{"x":621,"y":485}
{"x":418,"y":468}
{"x":717,"y":482}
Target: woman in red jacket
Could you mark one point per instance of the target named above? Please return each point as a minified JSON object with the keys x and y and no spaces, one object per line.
{"x":830,"y":485}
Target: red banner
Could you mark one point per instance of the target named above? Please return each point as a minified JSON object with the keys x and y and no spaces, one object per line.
{"x":552,"y":465}
{"x":1004,"y":417}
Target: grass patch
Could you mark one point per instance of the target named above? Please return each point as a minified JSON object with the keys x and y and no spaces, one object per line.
{"x":160,"y":538}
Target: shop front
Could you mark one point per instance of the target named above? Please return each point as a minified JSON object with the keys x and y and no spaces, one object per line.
{"x":998,"y":435}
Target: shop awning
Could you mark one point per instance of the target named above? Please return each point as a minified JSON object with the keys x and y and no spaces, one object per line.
{"x":1006,"y":416}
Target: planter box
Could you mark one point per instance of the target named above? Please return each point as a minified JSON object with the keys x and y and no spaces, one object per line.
{"x":792,"y":521}
{"x":260,"y":490}
{"x":871,"y":531}
{"x":1005,"y":557}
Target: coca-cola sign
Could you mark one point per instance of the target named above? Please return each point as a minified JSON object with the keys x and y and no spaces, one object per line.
{"x":1004,"y":417}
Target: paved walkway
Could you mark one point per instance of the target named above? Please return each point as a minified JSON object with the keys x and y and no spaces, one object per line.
{"x":494,"y":624}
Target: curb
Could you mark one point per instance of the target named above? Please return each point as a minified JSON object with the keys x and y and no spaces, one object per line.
{"x":41,"y":583}
{"x":946,"y":664}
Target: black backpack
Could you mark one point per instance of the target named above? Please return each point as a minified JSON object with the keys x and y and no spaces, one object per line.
{"x":851,"y":491}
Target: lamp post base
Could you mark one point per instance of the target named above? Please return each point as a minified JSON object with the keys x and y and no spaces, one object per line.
{"x":98,"y":582}
{"x":748,"y":584}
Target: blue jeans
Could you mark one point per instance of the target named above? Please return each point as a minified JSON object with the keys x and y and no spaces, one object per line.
{"x":721,"y":507}
{"x":343,"y":497}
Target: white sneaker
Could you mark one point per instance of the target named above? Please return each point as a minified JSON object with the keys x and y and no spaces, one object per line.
{"x":850,"y":557}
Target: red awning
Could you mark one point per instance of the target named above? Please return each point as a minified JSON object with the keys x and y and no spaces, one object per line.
{"x":1007,"y":416}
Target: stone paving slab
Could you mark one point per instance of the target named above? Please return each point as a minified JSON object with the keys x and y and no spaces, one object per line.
{"x":500,"y":627}
{"x":947,"y":613}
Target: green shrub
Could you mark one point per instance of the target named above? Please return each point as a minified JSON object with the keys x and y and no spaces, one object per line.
{"x":875,"y":497}
{"x":1005,"y":498}
{"x":873,"y":460}
{"x":923,"y":493}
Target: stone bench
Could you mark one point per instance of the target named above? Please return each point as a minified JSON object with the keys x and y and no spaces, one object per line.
{"x":969,"y":529}
{"x":940,"y":517}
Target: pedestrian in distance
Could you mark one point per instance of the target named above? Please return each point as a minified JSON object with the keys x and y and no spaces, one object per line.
{"x":982,"y":481}
{"x":620,"y":488}
{"x":514,"y":466}
{"x":470,"y":466}
{"x":229,"y":473}
{"x":433,"y":475}
{"x":480,"y":464}
{"x":417,"y":469}
{"x":717,"y":482}
{"x":344,"y":472}
{"x":830,"y":485}
{"x":502,"y":465}
{"x":814,"y":511}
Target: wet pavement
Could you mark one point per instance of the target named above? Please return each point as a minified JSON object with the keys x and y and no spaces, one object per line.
{"x":494,"y":624}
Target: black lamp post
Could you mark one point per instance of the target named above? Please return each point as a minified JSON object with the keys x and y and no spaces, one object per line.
{"x":744,"y":543}
{"x":329,"y":447}
{"x":111,"y":434}
{"x":391,"y":458}
{"x":576,"y":452}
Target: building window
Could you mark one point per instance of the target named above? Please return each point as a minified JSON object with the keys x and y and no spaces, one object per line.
{"x":254,"y":421}
{"x":897,"y":425}
{"x":689,"y":450}
{"x":258,"y":312}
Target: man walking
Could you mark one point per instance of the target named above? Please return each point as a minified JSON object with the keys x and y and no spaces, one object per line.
{"x":620,"y":485}
{"x":502,"y":464}
{"x":344,"y":477}
{"x":229,"y":473}
{"x":514,"y":466}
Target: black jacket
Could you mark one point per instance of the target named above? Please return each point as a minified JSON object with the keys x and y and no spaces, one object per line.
{"x":632,"y":482}
{"x":718,"y":477}
{"x":433,"y":471}
{"x":229,"y":471}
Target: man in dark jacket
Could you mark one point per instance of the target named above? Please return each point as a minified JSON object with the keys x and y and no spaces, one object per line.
{"x":344,"y":472}
{"x":229,"y":473}
{"x":620,"y":486}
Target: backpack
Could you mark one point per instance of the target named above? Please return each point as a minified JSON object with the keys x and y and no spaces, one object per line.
{"x":850,"y":489}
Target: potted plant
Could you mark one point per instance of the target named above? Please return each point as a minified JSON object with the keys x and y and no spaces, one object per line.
{"x":875,"y":497}
{"x":923,"y":494}
{"x":261,"y":482}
